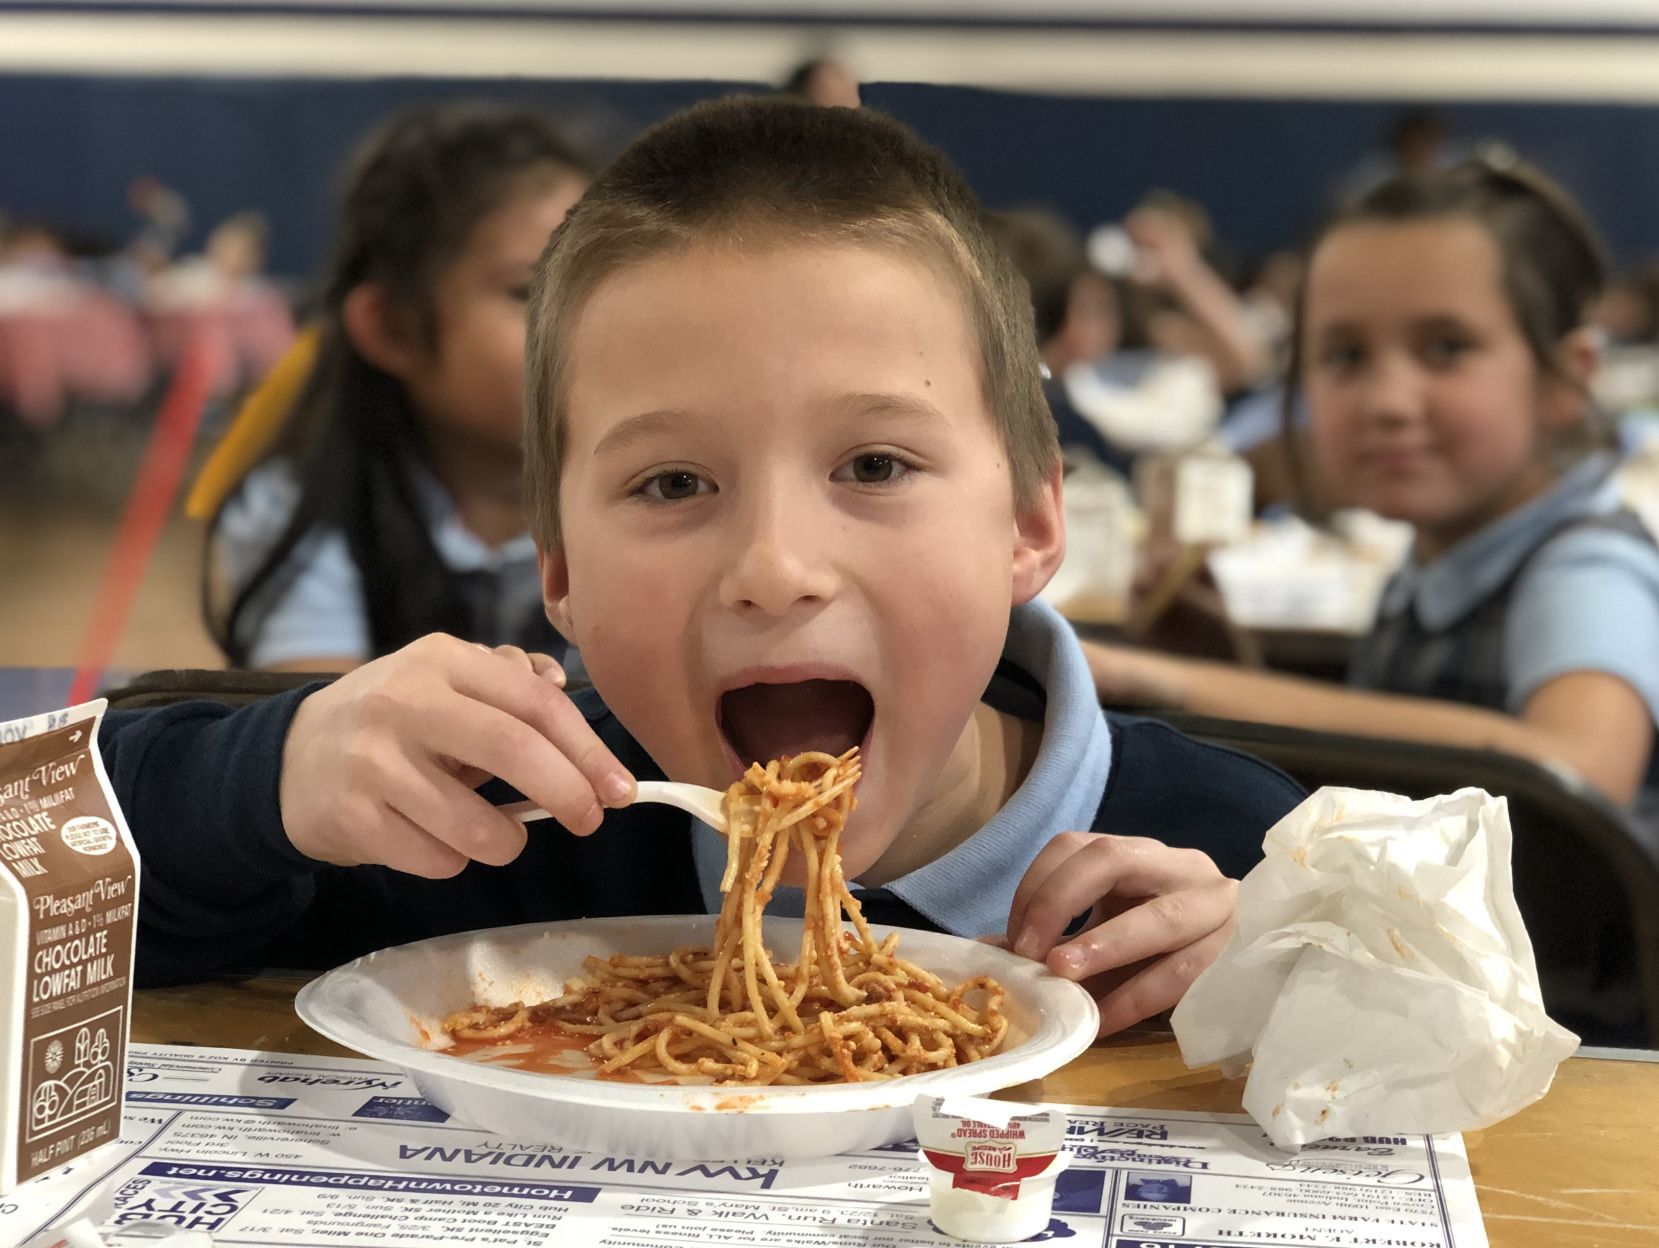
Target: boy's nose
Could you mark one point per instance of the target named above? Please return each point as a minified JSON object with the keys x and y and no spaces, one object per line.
{"x":780,"y":565}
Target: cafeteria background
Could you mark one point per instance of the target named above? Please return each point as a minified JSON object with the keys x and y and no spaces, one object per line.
{"x":168,"y":175}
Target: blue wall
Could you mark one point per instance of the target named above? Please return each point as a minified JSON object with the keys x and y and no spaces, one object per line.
{"x":69,"y":146}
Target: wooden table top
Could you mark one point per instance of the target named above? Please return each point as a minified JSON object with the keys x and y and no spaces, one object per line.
{"x":1580,"y":1169}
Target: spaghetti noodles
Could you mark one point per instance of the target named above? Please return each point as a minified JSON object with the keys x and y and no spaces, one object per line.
{"x":847,"y":1009}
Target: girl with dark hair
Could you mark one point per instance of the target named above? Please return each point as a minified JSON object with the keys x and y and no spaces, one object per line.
{"x":389,"y":503}
{"x":1443,"y":350}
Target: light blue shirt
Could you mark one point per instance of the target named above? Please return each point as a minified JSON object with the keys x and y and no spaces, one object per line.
{"x":970,"y":890}
{"x":319,"y":612}
{"x":1589,"y":601}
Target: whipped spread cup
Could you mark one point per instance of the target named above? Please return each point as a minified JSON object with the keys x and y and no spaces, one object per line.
{"x":991,"y":1168}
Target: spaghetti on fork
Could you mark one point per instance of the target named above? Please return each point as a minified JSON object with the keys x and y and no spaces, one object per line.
{"x":847,"y":1009}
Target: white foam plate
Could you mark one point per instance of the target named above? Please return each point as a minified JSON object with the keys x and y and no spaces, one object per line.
{"x":382,"y":1005}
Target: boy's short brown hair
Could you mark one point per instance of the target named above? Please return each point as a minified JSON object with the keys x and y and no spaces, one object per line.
{"x":764,"y":170}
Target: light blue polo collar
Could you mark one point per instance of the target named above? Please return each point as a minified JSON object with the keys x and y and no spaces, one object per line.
{"x":1445,"y":590}
{"x":459,"y":547}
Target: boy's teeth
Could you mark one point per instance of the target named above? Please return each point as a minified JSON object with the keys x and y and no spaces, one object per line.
{"x":763,"y":722}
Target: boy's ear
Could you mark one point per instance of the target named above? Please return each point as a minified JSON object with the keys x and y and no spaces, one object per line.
{"x":1567,"y":393}
{"x":1039,"y":539}
{"x":555,"y":590}
{"x":377,"y":329}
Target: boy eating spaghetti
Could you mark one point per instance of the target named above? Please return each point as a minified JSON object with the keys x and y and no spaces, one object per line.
{"x":795,"y":488}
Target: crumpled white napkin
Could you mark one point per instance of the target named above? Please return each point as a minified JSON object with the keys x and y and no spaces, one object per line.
{"x":1380,"y":979}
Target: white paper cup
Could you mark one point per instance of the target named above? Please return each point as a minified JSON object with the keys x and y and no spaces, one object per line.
{"x":988,"y":1218}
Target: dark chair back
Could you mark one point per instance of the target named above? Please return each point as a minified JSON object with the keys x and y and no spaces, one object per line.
{"x":1585,"y":881}
{"x":232,"y":688}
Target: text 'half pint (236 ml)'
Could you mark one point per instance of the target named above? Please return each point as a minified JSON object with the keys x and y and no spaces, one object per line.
{"x":68,"y":920}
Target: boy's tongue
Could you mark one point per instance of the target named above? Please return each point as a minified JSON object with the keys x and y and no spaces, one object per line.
{"x":763,"y":722}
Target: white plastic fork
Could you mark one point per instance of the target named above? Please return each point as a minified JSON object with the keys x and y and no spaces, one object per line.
{"x":709,"y":805}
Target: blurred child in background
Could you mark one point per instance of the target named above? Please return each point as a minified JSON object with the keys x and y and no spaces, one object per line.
{"x":1078,"y":317}
{"x":1443,"y":349}
{"x":1416,"y":140}
{"x":1627,"y":383}
{"x":1138,"y":361}
{"x":1186,"y":273}
{"x":825,"y":81}
{"x":388,"y":505}
{"x":223,"y":294}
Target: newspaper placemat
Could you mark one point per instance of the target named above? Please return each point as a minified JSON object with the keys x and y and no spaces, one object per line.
{"x":270,"y":1149}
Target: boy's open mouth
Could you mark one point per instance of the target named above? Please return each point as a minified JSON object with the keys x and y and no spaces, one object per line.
{"x":763,"y":722}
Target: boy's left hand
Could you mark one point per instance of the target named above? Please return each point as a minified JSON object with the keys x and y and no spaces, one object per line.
{"x":1157,"y":917}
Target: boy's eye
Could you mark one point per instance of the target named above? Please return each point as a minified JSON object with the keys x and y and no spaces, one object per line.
{"x":872,"y":468}
{"x":670,"y":487}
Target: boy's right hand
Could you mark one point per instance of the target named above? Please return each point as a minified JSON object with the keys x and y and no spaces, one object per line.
{"x":380,"y":766}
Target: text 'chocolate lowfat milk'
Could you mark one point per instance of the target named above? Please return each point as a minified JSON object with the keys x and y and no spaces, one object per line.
{"x":68,"y":915}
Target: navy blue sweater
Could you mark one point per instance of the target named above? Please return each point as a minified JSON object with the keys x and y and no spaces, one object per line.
{"x":223,"y":889}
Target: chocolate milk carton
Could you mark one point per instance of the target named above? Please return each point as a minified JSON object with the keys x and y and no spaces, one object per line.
{"x":68,"y":915}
